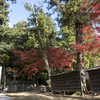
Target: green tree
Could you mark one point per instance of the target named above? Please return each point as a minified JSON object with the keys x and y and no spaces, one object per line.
{"x":45,"y":31}
{"x":13,"y":38}
{"x":46,"y":27}
{"x":3,"y":17}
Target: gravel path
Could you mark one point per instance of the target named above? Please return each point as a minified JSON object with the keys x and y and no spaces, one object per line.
{"x":45,"y":96}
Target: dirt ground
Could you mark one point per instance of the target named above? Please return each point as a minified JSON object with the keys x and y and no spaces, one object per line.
{"x":33,"y":95}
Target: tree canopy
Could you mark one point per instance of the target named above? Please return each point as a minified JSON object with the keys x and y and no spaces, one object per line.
{"x":79,"y":27}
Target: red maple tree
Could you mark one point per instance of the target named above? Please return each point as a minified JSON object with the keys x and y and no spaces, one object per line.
{"x":32,"y":60}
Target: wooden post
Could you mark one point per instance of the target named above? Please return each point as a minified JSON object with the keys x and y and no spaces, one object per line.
{"x":90,"y":86}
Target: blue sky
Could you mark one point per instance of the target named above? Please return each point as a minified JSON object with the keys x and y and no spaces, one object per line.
{"x":19,"y":13}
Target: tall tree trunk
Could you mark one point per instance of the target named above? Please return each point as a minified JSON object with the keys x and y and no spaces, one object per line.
{"x":80,"y":57}
{"x":43,"y":50}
